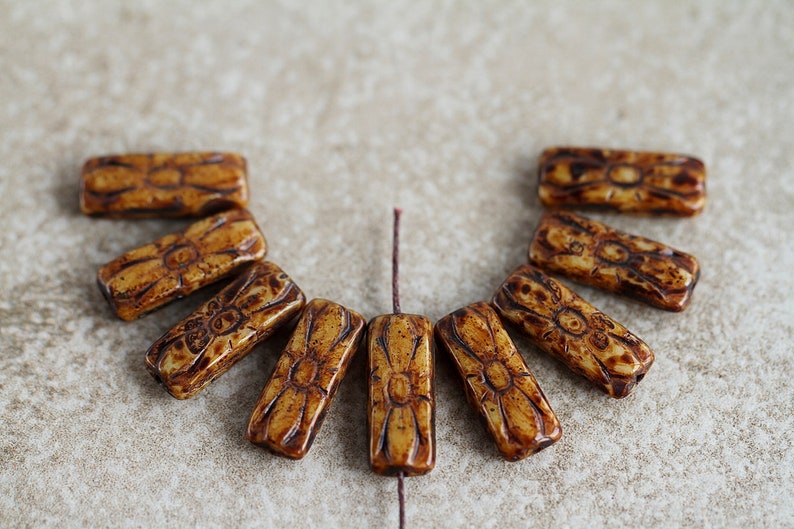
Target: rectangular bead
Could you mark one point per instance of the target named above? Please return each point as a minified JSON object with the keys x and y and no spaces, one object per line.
{"x":564,"y":325}
{"x":623,"y":181}
{"x":595,"y":254}
{"x":163,"y":184}
{"x":178,"y":264}
{"x":293,"y":404}
{"x":207,"y":343}
{"x":401,"y":398}
{"x":497,"y":382}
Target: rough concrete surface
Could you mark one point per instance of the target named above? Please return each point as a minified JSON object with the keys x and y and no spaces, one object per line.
{"x":345,"y":109}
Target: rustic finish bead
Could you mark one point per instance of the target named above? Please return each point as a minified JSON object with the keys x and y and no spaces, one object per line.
{"x":622,"y":181}
{"x":564,"y":325}
{"x":176,"y":265}
{"x":163,"y":184}
{"x":293,"y":404}
{"x":207,"y":343}
{"x":497,"y":382}
{"x":401,"y":402}
{"x":595,"y":254}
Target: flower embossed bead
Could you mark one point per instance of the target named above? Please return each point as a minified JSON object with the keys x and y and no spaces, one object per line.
{"x":497,"y":382}
{"x":623,"y":181}
{"x":163,"y":184}
{"x":207,"y":343}
{"x":178,"y":264}
{"x":594,"y":254}
{"x":401,"y":403}
{"x":293,"y":404}
{"x":564,"y":325}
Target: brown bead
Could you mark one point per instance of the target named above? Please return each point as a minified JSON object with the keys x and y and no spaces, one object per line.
{"x":293,"y":404}
{"x":207,"y":343}
{"x":622,"y":181}
{"x":497,"y":382}
{"x":594,"y":254}
{"x":564,"y":325}
{"x":163,"y":184}
{"x":401,"y":405}
{"x":176,"y":265}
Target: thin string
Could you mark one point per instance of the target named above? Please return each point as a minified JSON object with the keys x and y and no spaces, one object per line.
{"x":395,"y":263}
{"x":401,"y":495}
{"x":395,"y":300}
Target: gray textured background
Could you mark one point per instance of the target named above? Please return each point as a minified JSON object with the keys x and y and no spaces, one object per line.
{"x":344,"y":110}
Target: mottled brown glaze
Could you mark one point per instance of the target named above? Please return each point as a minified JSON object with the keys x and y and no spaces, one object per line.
{"x":178,"y":264}
{"x":595,"y":254}
{"x":163,"y":184}
{"x":401,"y":402}
{"x":564,"y":325}
{"x":207,"y":343}
{"x":497,"y":382}
{"x":646,"y":183}
{"x":293,"y":404}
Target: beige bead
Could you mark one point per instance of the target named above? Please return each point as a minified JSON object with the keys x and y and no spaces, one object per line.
{"x":207,"y":343}
{"x":646,"y":183}
{"x":497,"y":382}
{"x":293,"y":404}
{"x":163,"y":184}
{"x":401,"y":401}
{"x":567,"y":327}
{"x":176,"y":265}
{"x":594,"y":254}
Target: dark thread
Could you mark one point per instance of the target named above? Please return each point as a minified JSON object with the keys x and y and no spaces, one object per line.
{"x":395,"y":264}
{"x":401,"y":494}
{"x":395,"y":298}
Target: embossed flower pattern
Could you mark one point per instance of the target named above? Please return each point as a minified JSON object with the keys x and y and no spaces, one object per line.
{"x":224,"y":329}
{"x":401,"y":399}
{"x":292,"y":405}
{"x":590,"y":252}
{"x":627,"y":181}
{"x":181,"y":184}
{"x":178,"y":264}
{"x":561,"y":323}
{"x":498,"y":382}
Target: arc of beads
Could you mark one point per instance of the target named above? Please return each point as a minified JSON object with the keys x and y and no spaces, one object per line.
{"x":401,"y":402}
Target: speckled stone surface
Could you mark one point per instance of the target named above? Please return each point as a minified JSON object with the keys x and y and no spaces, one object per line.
{"x":343,"y":111}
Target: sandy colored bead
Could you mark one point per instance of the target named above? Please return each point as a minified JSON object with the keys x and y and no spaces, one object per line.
{"x":163,"y":184}
{"x":176,"y":265}
{"x":497,"y":382}
{"x":207,"y":343}
{"x":293,"y":404}
{"x":595,"y":254}
{"x":401,"y":402}
{"x":564,"y":325}
{"x":647,"y":183}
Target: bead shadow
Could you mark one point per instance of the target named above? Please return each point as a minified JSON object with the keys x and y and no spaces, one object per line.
{"x":252,"y":374}
{"x":153,"y":325}
{"x":149,"y":386}
{"x":66,"y":190}
{"x":452,"y":409}
{"x":525,"y":179}
{"x":351,"y":403}
{"x":522,"y":184}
